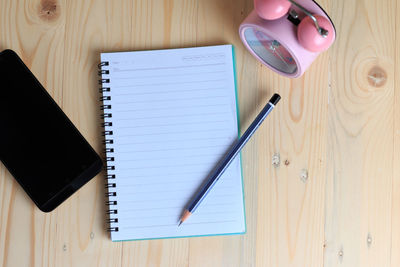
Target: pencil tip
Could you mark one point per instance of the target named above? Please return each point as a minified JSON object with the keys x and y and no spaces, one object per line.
{"x":185,"y":215}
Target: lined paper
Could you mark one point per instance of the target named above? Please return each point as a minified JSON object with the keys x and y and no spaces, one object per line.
{"x":173,"y":117}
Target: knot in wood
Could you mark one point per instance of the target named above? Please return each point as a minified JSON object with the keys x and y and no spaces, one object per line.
{"x":377,"y":76}
{"x":49,"y":10}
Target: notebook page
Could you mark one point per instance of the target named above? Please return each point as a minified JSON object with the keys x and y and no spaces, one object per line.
{"x":173,"y":117}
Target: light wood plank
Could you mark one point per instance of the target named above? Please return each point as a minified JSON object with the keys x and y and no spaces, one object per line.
{"x":82,"y":238}
{"x":290,"y":226}
{"x":395,"y":207}
{"x":360,"y":136}
{"x":35,"y":31}
{"x":215,"y":23}
{"x":166,"y":24}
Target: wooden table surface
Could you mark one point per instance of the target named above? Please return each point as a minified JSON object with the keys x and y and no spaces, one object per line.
{"x":332,"y":199}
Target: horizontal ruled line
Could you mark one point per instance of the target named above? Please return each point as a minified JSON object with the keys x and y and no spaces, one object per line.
{"x":161,"y":158}
{"x":164,"y":175}
{"x":175,"y":191}
{"x":161,"y":208}
{"x":169,"y":124}
{"x":164,"y":68}
{"x":169,"y":75}
{"x":169,"y":108}
{"x":221,"y":205}
{"x":173,"y":83}
{"x":180,"y":140}
{"x":226,"y":212}
{"x":171,"y":149}
{"x":149,"y":226}
{"x":176,"y":116}
{"x":183,"y":180}
{"x":176,"y":132}
{"x":212,"y":222}
{"x":169,"y":100}
{"x":169,"y":165}
{"x":172,"y":199}
{"x":170,"y":91}
{"x":165,"y":225}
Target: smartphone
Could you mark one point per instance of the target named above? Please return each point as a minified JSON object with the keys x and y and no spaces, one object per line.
{"x":39,"y":145}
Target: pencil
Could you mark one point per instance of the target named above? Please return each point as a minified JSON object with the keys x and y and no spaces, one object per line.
{"x":227,"y":159}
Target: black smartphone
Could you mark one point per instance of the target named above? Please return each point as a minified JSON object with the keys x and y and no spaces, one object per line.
{"x":39,"y":145}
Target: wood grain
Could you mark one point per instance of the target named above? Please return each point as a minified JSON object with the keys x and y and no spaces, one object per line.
{"x":358,"y":224}
{"x":332,"y":200}
{"x":395,"y":205}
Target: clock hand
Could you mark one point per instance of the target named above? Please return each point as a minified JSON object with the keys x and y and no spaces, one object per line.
{"x":273,"y":47}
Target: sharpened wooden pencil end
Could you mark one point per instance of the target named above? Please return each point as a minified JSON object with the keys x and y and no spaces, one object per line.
{"x":185,"y":215}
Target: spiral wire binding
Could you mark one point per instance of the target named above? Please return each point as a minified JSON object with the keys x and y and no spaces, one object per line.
{"x":108,"y":140}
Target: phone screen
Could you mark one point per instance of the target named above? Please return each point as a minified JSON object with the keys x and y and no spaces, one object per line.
{"x":39,"y":145}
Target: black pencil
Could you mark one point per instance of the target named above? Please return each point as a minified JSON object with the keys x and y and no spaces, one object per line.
{"x":228,"y":158}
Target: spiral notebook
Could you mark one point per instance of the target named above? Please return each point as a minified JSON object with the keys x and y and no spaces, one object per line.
{"x":169,"y":117}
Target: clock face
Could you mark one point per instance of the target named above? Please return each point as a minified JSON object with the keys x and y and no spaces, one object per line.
{"x":270,"y":51}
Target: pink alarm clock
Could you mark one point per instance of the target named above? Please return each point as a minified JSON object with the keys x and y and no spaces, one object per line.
{"x":286,"y":35}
